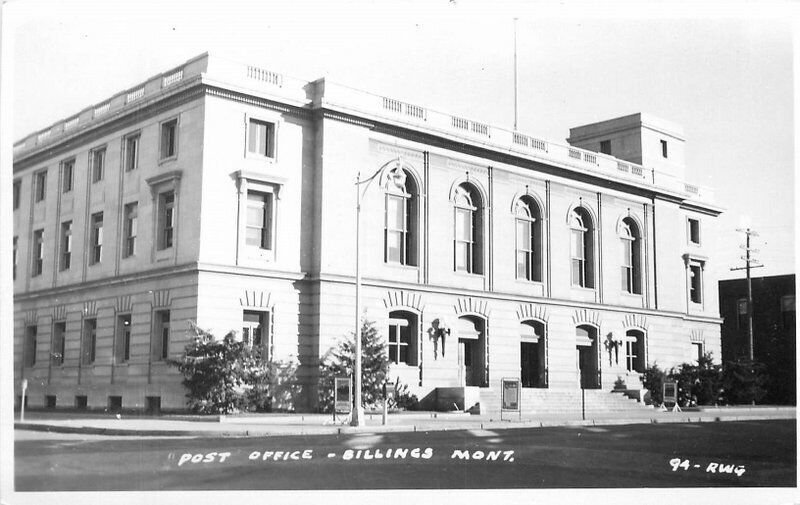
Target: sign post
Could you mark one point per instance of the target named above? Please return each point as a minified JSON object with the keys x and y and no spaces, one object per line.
{"x":510,"y":401}
{"x":342,"y":396}
{"x":22,"y":402}
{"x":670,"y":394}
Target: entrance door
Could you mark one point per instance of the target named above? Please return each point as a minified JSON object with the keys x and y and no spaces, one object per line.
{"x":467,"y":361}
{"x":587,"y":358}
{"x":529,"y":361}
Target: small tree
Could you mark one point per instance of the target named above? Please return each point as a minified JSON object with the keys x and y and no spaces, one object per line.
{"x":653,"y":381}
{"x":743,"y":381}
{"x":339,"y":361}
{"x":227,"y":376}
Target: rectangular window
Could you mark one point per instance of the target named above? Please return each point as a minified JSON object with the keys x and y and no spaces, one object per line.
{"x":697,"y":350}
{"x":169,"y":139}
{"x":627,"y":266}
{"x":254,"y":329}
{"x":464,"y":240}
{"x":741,"y":313}
{"x":693,"y":231}
{"x":66,"y":245}
{"x":605,"y":146}
{"x":123,"y":338}
{"x":524,"y":249}
{"x":30,"y":345}
{"x":97,"y":159}
{"x":14,"y":259}
{"x":664,"y":152}
{"x":696,"y":282}
{"x":402,"y":340}
{"x":631,"y":356}
{"x":67,"y":174}
{"x":89,"y":341}
{"x":787,"y":312}
{"x":166,"y":219}
{"x":130,"y":225}
{"x":96,"y":250}
{"x":16,"y":195}
{"x":131,"y":152}
{"x":259,"y":220}
{"x":261,"y":138}
{"x":396,"y":229}
{"x":578,"y":258}
{"x":160,"y":345}
{"x":40,"y":185}
{"x":59,"y":342}
{"x":38,"y":252}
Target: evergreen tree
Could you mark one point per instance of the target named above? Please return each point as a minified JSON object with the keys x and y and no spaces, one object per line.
{"x":339,"y":362}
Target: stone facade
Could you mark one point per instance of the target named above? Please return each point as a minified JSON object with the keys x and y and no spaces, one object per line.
{"x":245,"y":205}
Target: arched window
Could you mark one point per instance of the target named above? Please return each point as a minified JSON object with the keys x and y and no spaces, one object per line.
{"x":631,"y":257}
{"x":582,"y":248}
{"x":528,"y":239}
{"x":403,"y":336}
{"x":468,"y":242}
{"x":634,"y":351}
{"x":400,"y":231}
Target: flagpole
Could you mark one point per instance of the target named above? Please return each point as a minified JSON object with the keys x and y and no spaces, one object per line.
{"x":515,"y":74}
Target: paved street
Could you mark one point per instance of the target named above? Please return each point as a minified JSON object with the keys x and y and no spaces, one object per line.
{"x":748,"y":453}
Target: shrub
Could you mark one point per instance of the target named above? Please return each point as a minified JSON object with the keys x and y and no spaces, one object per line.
{"x":744,"y":381}
{"x":653,"y":381}
{"x":226,"y":376}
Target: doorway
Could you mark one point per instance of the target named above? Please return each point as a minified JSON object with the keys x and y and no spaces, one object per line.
{"x":471,"y":357}
{"x":587,"y":357}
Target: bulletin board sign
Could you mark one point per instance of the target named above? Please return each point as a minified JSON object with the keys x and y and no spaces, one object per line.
{"x":670,"y":392}
{"x":510,"y":395}
{"x":342,"y":395}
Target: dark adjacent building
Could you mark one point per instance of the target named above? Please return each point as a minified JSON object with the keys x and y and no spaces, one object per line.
{"x":774,"y":329}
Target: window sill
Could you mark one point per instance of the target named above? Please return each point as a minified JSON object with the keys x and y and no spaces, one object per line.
{"x":527,"y":282}
{"x":462,"y":273}
{"x":636,"y":296}
{"x":401,"y":266}
{"x":583,"y":288}
{"x":163,"y":161}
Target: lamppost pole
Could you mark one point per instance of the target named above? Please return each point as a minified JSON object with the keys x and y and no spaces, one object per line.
{"x":357,"y":418}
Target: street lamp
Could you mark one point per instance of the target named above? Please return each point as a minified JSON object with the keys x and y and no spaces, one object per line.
{"x":390,"y":173}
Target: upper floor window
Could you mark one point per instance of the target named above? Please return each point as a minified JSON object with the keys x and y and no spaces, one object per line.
{"x":697,"y":351}
{"x":261,"y":138}
{"x":787,"y":312}
{"x":605,"y":147}
{"x":259,"y":220}
{"x":664,"y":152}
{"x":166,"y":219}
{"x":468,"y":242}
{"x":528,"y":220}
{"x":38,"y":252}
{"x":403,"y":336}
{"x":693,"y":231}
{"x":582,"y":248}
{"x":696,"y":281}
{"x":66,"y":245}
{"x":131,"y":152}
{"x":67,"y":175}
{"x":631,"y":257}
{"x":169,"y":139}
{"x":130,"y":224}
{"x":97,"y":159}
{"x":40,"y":185}
{"x":96,"y":237}
{"x":400,"y":232}
{"x":17,"y":187}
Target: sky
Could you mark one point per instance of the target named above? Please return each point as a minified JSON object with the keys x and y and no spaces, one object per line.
{"x":724,"y":73}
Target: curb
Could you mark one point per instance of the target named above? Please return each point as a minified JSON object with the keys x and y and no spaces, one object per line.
{"x":349,"y":430}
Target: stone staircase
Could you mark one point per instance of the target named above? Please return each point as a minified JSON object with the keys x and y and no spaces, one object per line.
{"x":561,"y":401}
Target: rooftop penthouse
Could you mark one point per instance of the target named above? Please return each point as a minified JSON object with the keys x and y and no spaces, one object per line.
{"x":223,"y":74}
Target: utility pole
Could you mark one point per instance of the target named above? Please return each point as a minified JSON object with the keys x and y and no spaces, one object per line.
{"x":750,"y":263}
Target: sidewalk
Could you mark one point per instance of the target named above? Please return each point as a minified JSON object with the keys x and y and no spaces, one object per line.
{"x":261,"y":425}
